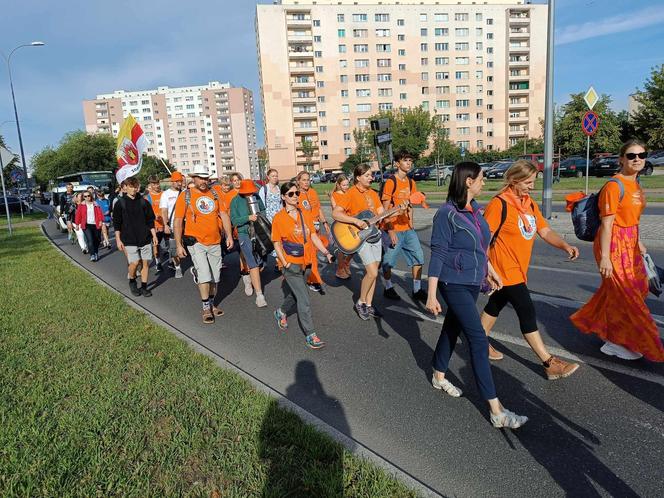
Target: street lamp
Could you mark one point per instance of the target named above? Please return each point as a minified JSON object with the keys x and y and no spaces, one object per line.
{"x":11,"y":85}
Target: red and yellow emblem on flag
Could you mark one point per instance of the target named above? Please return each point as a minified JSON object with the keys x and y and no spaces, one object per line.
{"x":131,"y":145}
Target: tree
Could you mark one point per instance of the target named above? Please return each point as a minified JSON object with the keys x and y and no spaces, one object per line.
{"x":627,"y":129}
{"x":364,"y":144}
{"x":569,"y":137}
{"x":262,"y":161}
{"x":410,"y":128}
{"x":649,"y":118}
{"x":308,"y":149}
{"x":8,"y":168}
{"x":152,"y":166}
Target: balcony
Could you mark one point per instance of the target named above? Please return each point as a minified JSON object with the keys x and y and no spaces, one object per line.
{"x":300,"y":38}
{"x":518,"y":77}
{"x":304,"y":100}
{"x":299,"y":130}
{"x":298,"y":23}
{"x":300,"y":85}
{"x":301,"y":53}
{"x":518,"y":119}
{"x":517,"y":133}
{"x":519,"y":63}
{"x":519,"y":35}
{"x":518,"y":91}
{"x":305,"y":115}
{"x":518,"y":106}
{"x":301,"y":69}
{"x":519,"y":17}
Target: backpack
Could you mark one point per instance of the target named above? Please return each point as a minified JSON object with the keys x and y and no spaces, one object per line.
{"x":391,"y":177}
{"x":260,"y":234}
{"x":585,"y":213}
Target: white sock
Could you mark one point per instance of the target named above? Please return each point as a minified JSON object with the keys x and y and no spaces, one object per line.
{"x":417,"y":285}
{"x":177,"y":267}
{"x":388,"y":283}
{"x":360,"y":302}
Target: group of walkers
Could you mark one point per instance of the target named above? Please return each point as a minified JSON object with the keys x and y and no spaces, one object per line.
{"x":473,"y":251}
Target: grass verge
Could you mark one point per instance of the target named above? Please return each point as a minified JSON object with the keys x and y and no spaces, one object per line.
{"x":96,"y":399}
{"x":16,"y":217}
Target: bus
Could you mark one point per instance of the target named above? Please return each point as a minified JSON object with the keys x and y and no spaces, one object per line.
{"x":103,"y":180}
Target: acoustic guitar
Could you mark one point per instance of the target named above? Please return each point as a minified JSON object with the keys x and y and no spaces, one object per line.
{"x":349,"y":238}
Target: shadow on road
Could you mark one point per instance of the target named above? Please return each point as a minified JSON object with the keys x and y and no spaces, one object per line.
{"x":286,"y":442}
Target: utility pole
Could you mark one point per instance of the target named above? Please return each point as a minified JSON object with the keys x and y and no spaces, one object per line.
{"x":547,"y":194}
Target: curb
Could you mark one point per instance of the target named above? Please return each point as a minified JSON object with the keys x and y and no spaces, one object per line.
{"x":350,"y":444}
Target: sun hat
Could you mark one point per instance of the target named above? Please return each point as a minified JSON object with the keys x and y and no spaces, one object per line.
{"x":247,"y":187}
{"x":201,"y":171}
{"x":176,"y":176}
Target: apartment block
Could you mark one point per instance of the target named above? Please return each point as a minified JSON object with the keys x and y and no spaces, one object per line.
{"x":327,"y":66}
{"x":211,"y":124}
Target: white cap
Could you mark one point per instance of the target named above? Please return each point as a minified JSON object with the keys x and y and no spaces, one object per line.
{"x":200,"y":170}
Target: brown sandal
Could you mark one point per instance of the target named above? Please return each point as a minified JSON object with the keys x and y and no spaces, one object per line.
{"x":494,"y":354}
{"x":217,"y":311}
{"x":208,"y":317}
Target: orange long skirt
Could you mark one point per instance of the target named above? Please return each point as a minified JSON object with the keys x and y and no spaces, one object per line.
{"x":617,"y":312}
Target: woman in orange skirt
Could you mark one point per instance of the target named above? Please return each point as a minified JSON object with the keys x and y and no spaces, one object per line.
{"x":617,"y":312}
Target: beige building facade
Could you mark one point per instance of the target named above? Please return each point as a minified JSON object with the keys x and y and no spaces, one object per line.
{"x":327,"y":66}
{"x":212,"y":124}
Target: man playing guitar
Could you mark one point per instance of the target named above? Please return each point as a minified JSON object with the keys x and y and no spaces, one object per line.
{"x":360,"y":197}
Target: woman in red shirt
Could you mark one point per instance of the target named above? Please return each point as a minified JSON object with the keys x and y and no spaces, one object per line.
{"x":89,"y":218}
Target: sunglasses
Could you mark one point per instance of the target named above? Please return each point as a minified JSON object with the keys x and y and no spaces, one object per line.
{"x":633,"y":155}
{"x":292,"y":193}
{"x":87,"y":196}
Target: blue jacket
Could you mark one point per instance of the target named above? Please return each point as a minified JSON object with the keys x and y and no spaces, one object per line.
{"x":459,"y":243}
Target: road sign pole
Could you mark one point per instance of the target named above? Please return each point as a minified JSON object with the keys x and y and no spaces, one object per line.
{"x":4,"y":195}
{"x":547,"y":194}
{"x":587,"y":161}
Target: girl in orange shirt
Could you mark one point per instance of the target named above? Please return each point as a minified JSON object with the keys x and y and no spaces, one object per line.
{"x":343,"y":262}
{"x":509,"y":252}
{"x":295,"y":242}
{"x":617,"y":312}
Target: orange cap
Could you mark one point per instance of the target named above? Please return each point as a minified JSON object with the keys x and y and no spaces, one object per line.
{"x":176,"y":176}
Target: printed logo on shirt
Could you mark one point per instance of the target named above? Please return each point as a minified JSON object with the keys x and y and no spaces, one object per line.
{"x":205,"y":205}
{"x":528,"y":233}
{"x":637,"y":198}
{"x":306,"y":205}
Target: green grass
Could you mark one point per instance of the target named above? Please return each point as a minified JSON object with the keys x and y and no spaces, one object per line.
{"x":16,"y":217}
{"x":96,"y":399}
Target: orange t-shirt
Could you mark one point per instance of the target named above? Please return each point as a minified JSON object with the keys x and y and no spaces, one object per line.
{"x":354,"y":201}
{"x":225,"y":198}
{"x":309,"y":201}
{"x":287,"y":229}
{"x":154,"y":198}
{"x":202,"y":216}
{"x":334,"y":198}
{"x":510,"y":255}
{"x":398,"y":191}
{"x":628,"y":212}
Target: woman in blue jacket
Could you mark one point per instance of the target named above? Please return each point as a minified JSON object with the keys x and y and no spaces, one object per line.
{"x":459,"y":268}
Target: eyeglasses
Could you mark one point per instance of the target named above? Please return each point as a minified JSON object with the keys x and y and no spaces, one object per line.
{"x":633,"y":155}
{"x":292,"y":193}
{"x":87,"y":196}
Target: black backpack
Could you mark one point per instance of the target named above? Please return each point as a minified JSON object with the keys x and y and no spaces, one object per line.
{"x":585,"y":213}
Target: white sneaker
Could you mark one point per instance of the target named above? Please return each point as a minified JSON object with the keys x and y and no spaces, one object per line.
{"x":508,"y":419}
{"x":178,"y":272}
{"x":612,"y":349}
{"x":260,"y":301}
{"x":447,"y":386}
{"x":248,"y":289}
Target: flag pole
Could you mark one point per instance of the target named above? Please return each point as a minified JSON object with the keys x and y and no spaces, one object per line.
{"x":162,"y":162}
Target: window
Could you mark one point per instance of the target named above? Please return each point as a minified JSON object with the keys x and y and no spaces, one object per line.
{"x":345,"y":123}
{"x":461,"y":31}
{"x":478,"y":16}
{"x":489,"y":22}
{"x":478,"y":75}
{"x":401,"y":37}
{"x":382,"y":33}
{"x":384,"y":62}
{"x":425,"y":105}
{"x":463,"y":103}
{"x":461,"y":46}
{"x":489,"y":50}
{"x":440,"y":17}
{"x":462,"y":61}
{"x":401,"y":52}
{"x":441,"y":32}
{"x":321,"y":99}
{"x":362,"y":122}
{"x":360,"y":33}
{"x":479,"y":60}
{"x":362,"y":78}
{"x":360,"y":48}
{"x":363,"y":92}
{"x":463,"y":89}
{"x":425,"y":90}
{"x":348,"y":151}
{"x":344,"y":93}
{"x":342,"y":49}
{"x":346,"y":137}
{"x":316,"y":23}
{"x":442,"y":47}
{"x":479,"y":102}
{"x":345,"y":108}
{"x":442,"y":76}
{"x":423,"y":32}
{"x":424,"y":47}
{"x":319,"y":69}
{"x":402,"y":81}
{"x":318,"y":53}
{"x":323,"y":143}
{"x":461,"y":17}
{"x":489,"y":106}
{"x":361,"y":63}
{"x":341,"y":33}
{"x":321,"y":114}
{"x":385,"y":106}
{"x":343,"y":63}
{"x":424,"y":76}
{"x":442,"y":61}
{"x":463,"y":116}
{"x":464,"y":144}
{"x":489,"y":36}
{"x":442,"y":90}
{"x":479,"y":89}
{"x":403,"y":96}
{"x":478,"y":46}
{"x":360,"y":18}
{"x":383,"y":47}
{"x":382,"y":17}
{"x":400,"y":22}
{"x":442,"y":104}
{"x":384,"y":92}
{"x":424,"y":61}
{"x":317,"y":39}
{"x":402,"y":67}
{"x":363,"y":107}
{"x":465,"y":130}
{"x":478,"y":32}
{"x":384,"y":77}
{"x":423,"y":17}
{"x":340,"y":18}
{"x":461,"y":75}
{"x":489,"y":79}
{"x":320,"y":84}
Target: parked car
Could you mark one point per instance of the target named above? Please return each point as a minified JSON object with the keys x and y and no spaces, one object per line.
{"x":538,"y":159}
{"x":573,"y":166}
{"x":14,"y":203}
{"x":377,"y":176}
{"x":315,"y":178}
{"x":609,"y":166}
{"x":328,"y":177}
{"x":498,"y":170}
{"x":657,"y":158}
{"x":427,"y":173}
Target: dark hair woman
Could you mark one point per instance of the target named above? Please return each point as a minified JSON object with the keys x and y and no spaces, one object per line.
{"x":89,"y":218}
{"x":617,"y":312}
{"x":458,"y":268}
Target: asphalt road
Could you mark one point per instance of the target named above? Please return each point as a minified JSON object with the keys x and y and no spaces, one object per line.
{"x":597,"y":433}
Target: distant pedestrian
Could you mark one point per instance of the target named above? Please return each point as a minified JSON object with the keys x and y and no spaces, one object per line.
{"x":105,"y":206}
{"x":199,"y":221}
{"x":167,"y":208}
{"x":89,"y":219}
{"x":458,"y":268}
{"x":68,"y":210}
{"x":153,"y":195}
{"x":341,"y":186}
{"x":270,"y":194}
{"x":133,"y":222}
{"x":515,"y":220}
{"x":617,"y":312}
{"x":296,"y":242}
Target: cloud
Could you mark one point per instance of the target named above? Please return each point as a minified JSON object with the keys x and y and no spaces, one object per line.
{"x":628,"y":21}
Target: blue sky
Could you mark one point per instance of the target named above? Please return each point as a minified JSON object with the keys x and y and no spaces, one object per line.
{"x":94,"y":47}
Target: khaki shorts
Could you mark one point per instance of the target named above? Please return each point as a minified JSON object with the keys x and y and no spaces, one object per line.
{"x":207,"y":261}
{"x":371,"y":253}
{"x":134,"y":253}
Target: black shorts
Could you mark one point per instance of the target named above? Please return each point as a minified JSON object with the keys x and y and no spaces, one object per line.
{"x":519,"y":297}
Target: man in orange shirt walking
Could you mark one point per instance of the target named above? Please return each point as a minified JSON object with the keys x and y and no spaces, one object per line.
{"x":310,"y":202}
{"x":153,"y":196}
{"x":202,"y":214}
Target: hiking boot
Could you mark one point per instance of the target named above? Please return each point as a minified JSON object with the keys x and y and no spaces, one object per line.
{"x":421,"y":296}
{"x":260,"y":301}
{"x":555,"y":368}
{"x":314,"y":342}
{"x":194,"y":274}
{"x":281,"y":318}
{"x":508,"y":419}
{"x":447,"y":386}
{"x":373,"y":312}
{"x":178,"y":272}
{"x":145,"y":292}
{"x":208,"y":316}
{"x":134,"y":288}
{"x":361,"y":310}
{"x":391,"y":294}
{"x":216,"y":311}
{"x":248,"y":289}
{"x":494,"y":354}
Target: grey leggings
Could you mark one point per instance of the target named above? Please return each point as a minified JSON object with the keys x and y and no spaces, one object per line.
{"x":296,"y":293}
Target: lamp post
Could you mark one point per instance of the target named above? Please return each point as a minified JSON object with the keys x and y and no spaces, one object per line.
{"x":11,"y":86}
{"x":547,"y":194}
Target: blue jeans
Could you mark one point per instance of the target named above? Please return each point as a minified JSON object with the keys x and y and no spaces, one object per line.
{"x":462,"y":316}
{"x":409,"y":244}
{"x":252,"y":259}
